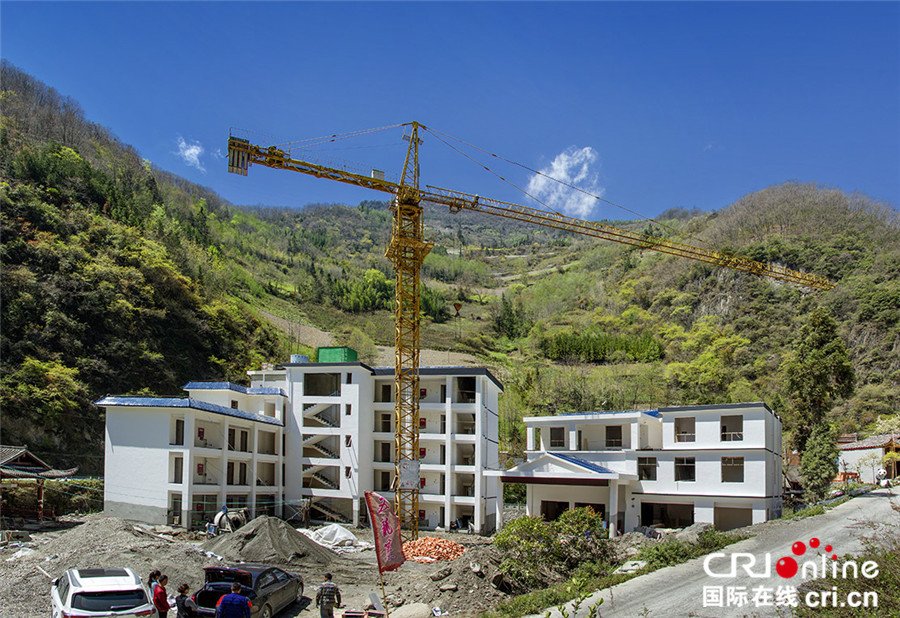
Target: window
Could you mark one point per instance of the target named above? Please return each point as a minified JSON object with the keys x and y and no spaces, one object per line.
{"x":242,"y":474}
{"x":732,"y":428}
{"x":647,"y":468}
{"x":443,"y":392}
{"x":685,"y":469}
{"x":684,"y":429}
{"x":348,"y":409}
{"x":348,"y":471}
{"x":234,"y":404}
{"x":732,"y":469}
{"x":179,"y":431}
{"x":349,"y":378}
{"x":178,"y":468}
{"x":322,"y":385}
{"x":348,"y":441}
{"x":266,"y":579}
{"x":614,"y":436}
{"x":64,"y":587}
{"x":557,"y":436}
{"x":280,"y":575}
{"x":245,"y":438}
{"x":231,"y":439}
{"x":385,"y":392}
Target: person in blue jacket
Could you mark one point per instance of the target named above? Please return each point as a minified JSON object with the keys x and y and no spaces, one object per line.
{"x":234,"y":605}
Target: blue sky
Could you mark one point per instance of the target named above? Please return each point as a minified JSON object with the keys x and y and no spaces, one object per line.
{"x":649,"y":105}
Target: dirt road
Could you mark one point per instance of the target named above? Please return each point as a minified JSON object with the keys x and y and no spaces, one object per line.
{"x":679,"y":590}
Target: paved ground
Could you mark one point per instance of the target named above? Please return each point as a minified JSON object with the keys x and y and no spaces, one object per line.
{"x":679,"y":590}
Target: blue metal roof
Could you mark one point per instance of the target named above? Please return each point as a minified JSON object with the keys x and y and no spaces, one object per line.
{"x":647,"y":412}
{"x":587,"y":465}
{"x":184,"y":402}
{"x":220,"y":386}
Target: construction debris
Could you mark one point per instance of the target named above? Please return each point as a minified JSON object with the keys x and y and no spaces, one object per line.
{"x":431,"y":549}
{"x":337,"y":538}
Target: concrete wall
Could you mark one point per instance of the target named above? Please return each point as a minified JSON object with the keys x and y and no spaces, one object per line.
{"x":136,"y":466}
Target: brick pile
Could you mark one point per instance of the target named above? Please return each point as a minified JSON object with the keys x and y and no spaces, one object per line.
{"x":430,"y":549}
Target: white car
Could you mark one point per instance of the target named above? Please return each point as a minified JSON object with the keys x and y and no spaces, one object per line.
{"x":112,"y":593}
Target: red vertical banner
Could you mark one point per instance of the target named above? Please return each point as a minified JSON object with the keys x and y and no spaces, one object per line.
{"x":386,"y":530}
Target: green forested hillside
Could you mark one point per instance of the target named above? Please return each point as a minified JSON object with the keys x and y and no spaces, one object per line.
{"x":120,"y":277}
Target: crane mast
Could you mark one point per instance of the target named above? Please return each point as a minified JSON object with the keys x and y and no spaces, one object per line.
{"x":407,"y":250}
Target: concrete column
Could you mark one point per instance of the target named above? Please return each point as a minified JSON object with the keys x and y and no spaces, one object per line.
{"x":480,"y":442}
{"x":251,"y":473}
{"x":223,"y":464}
{"x":187,"y":478}
{"x":635,"y":435}
{"x":613,"y":515}
{"x":573,"y":437}
{"x":448,"y":452}
{"x":529,"y":438}
{"x":498,"y":521}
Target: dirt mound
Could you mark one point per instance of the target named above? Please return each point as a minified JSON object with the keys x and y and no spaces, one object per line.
{"x":463,"y":585}
{"x":106,"y":542}
{"x":271,"y":541}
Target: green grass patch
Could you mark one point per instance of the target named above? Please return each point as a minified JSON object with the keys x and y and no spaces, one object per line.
{"x":884,"y":588}
{"x":672,"y":552}
{"x":558,"y":594}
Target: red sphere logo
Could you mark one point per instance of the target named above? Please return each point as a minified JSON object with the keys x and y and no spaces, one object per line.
{"x":786,"y":567}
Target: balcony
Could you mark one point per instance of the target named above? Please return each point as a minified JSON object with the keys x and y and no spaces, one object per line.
{"x":685,"y":437}
{"x":732,"y":436}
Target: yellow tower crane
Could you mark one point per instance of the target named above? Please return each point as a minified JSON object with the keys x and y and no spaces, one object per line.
{"x":407,"y":250}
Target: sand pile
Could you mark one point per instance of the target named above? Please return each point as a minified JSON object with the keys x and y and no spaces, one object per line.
{"x":271,"y":541}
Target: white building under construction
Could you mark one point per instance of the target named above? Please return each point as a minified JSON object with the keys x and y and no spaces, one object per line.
{"x":317,"y":434}
{"x":670,"y":467}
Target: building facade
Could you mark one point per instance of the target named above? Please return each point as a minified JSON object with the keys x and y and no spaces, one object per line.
{"x":304,"y":435}
{"x":670,"y":467}
{"x":866,"y":457}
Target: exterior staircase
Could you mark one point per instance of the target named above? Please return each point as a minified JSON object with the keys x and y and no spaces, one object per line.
{"x":325,"y":480}
{"x":330,"y":513}
{"x":313,"y":442}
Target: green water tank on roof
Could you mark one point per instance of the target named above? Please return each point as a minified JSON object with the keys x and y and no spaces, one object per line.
{"x":337,"y":355}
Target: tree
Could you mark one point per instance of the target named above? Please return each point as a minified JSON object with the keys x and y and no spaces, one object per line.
{"x":511,"y":320}
{"x":816,"y":373}
{"x":819,"y":462}
{"x":365,"y":348}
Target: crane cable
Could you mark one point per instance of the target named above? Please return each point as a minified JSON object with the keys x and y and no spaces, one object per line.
{"x":490,"y":171}
{"x":436,"y":133}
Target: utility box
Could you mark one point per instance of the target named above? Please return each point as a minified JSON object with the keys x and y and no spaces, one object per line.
{"x":337,"y":355}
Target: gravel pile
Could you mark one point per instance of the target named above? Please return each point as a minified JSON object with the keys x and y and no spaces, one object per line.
{"x":105,"y":542}
{"x":270,"y":540}
{"x":471,"y":583}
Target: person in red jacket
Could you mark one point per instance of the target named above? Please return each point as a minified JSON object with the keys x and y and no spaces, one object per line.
{"x":160,"y":597}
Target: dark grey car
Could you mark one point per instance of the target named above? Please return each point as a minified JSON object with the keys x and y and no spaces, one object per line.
{"x":269,"y":589}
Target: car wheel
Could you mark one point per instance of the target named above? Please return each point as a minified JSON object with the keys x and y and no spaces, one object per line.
{"x":266,"y":612}
{"x":300,"y":593}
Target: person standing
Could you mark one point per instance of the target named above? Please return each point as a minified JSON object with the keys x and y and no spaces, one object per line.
{"x":153,"y":580}
{"x":328,"y":597}
{"x":234,"y":605}
{"x":161,"y":597}
{"x":184,"y":604}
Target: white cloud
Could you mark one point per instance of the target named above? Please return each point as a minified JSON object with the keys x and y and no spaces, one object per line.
{"x":190,"y":153}
{"x":573,"y":166}
{"x":219,"y":154}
